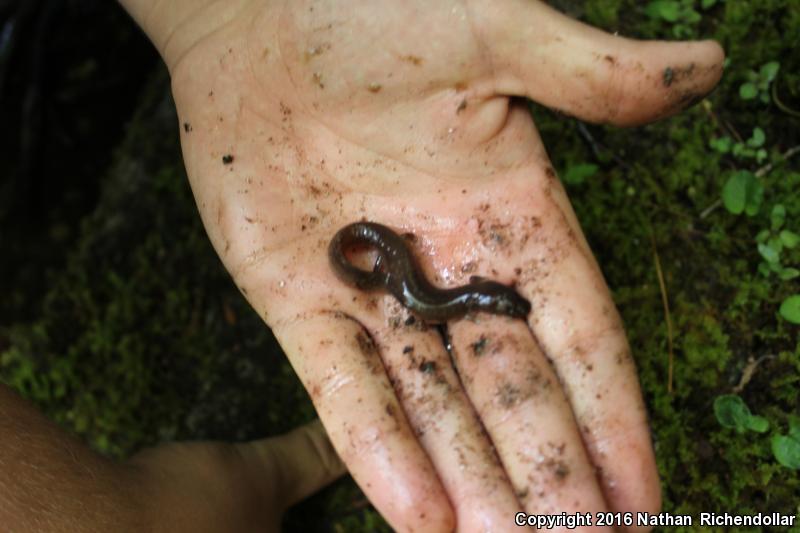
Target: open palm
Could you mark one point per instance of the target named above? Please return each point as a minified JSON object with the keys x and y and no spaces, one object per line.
{"x":300,"y":117}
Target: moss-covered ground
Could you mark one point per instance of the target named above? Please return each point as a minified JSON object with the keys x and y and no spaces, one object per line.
{"x":137,"y":335}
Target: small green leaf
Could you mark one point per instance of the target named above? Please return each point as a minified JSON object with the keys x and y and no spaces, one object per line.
{"x":763,"y":269}
{"x":789,"y":239}
{"x":794,"y":427}
{"x":762,"y":235}
{"x":690,"y":16}
{"x":722,"y":144}
{"x":748,"y":91}
{"x":682,"y":31}
{"x":788,"y":273}
{"x":777,"y":216}
{"x":706,"y":4}
{"x":776,"y":244}
{"x":770,"y":254}
{"x":769,"y":70}
{"x":755,"y":195}
{"x":664,"y":9}
{"x":790,"y":309}
{"x":787,"y":451}
{"x":577,"y":174}
{"x":759,"y":424}
{"x":757,"y":139}
{"x":731,"y":411}
{"x":743,"y":192}
{"x":761,"y":155}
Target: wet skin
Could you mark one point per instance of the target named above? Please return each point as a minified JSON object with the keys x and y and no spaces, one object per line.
{"x":397,"y":271}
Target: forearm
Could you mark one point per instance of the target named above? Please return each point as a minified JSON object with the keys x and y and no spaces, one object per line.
{"x":50,"y":481}
{"x":174,"y":26}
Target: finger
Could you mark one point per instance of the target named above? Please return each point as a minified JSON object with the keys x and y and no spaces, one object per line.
{"x":578,"y":328}
{"x":523,"y":408}
{"x":562,"y":63}
{"x":305,"y":461}
{"x":341,"y":368}
{"x":445,"y":423}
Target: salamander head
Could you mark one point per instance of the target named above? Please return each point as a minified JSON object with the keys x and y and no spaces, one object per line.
{"x":513,"y":305}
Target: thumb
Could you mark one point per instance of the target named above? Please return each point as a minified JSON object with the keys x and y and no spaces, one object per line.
{"x":303,"y":460}
{"x":567,"y":65}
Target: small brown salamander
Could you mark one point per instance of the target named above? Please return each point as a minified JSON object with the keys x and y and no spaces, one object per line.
{"x":398,"y":272}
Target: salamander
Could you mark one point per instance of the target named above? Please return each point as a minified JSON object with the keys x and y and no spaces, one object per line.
{"x":397,"y":271}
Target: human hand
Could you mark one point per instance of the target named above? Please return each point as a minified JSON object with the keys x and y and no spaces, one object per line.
{"x":213,"y":486}
{"x":300,"y":117}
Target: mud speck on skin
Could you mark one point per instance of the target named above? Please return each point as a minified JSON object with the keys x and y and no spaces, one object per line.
{"x":427,"y":367}
{"x":318,"y":80}
{"x":316,"y":50}
{"x":479,"y":346}
{"x":411,"y":58}
{"x":365,"y":344}
{"x":227,"y":159}
{"x":461,"y":106}
{"x":561,"y":470}
{"x":408,"y":349}
{"x":187,"y":127}
{"x":669,"y":76}
{"x":374,"y":87}
{"x":508,"y":395}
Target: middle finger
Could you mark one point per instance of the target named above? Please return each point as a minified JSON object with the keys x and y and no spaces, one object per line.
{"x":523,"y":407}
{"x":447,"y":427}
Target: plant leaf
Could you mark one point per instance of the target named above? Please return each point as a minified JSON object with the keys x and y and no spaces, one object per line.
{"x":759,"y":424}
{"x":731,"y":411}
{"x":691,"y":16}
{"x":789,"y":239}
{"x":794,"y":427}
{"x":577,"y":174}
{"x":790,"y":309}
{"x":668,"y":10}
{"x":722,"y":144}
{"x":743,"y":192}
{"x":755,"y":195}
{"x":769,"y":70}
{"x":777,"y":216}
{"x":770,"y":254}
{"x":734,"y":193}
{"x":757,"y":139}
{"x":788,"y":273}
{"x":787,"y":451}
{"x":748,"y":91}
